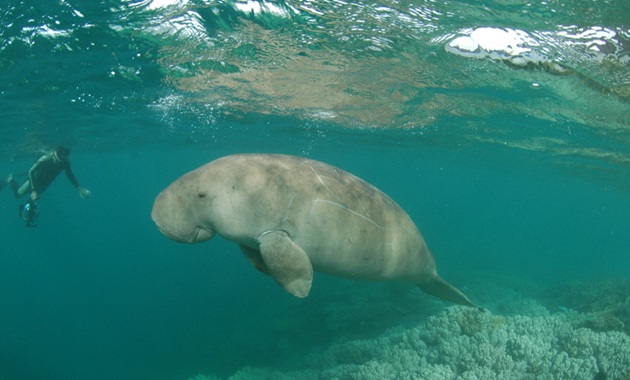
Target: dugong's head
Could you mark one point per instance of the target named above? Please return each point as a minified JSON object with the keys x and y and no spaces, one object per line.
{"x":180,"y":210}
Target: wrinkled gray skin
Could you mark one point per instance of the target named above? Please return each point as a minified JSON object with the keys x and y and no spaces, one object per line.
{"x":291,"y":216}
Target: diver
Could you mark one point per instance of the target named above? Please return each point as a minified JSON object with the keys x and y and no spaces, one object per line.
{"x":40,"y":176}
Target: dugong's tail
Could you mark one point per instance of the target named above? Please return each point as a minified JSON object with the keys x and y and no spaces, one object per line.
{"x":437,"y":286}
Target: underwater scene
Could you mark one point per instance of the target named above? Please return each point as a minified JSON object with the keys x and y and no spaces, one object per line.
{"x":501,"y":128}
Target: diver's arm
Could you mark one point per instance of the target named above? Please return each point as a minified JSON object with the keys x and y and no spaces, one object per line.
{"x":83,"y":192}
{"x":72,"y":177}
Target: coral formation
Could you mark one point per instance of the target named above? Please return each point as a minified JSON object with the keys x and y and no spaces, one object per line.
{"x":461,"y":343}
{"x":605,"y":304}
{"x":523,"y":342}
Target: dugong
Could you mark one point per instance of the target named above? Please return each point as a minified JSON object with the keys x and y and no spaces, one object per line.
{"x":292,"y":216}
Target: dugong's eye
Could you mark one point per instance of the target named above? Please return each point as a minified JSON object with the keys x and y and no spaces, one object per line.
{"x":201,"y":195}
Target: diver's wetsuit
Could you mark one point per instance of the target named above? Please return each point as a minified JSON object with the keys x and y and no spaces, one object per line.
{"x":41,"y":175}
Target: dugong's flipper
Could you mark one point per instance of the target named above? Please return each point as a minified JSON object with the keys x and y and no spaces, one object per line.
{"x":438,"y":287}
{"x":286,"y":262}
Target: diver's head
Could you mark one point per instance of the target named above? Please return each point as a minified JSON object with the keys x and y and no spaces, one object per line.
{"x":61,"y":152}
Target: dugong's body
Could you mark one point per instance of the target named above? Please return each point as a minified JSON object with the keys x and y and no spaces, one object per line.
{"x":292,"y":215}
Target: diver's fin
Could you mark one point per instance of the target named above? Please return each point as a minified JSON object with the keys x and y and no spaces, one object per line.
{"x":437,"y":286}
{"x":286,"y":262}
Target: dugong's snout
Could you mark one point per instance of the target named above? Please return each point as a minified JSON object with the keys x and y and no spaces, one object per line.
{"x":172,"y":219}
{"x":202,"y":234}
{"x":198,"y":235}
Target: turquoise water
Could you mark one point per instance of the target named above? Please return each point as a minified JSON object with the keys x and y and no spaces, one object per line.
{"x":513,"y":160}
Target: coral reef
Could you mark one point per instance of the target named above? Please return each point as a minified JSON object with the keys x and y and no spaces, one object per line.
{"x":461,"y":343}
{"x":521,"y":340}
{"x":605,"y":304}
